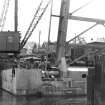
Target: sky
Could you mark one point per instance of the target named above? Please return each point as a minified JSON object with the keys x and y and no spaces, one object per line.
{"x":27,"y":9}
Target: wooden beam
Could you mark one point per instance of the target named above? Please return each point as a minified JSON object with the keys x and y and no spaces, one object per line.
{"x":62,"y":30}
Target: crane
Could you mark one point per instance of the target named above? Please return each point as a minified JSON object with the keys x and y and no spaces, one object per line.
{"x":37,"y":17}
{"x":64,"y":16}
{"x":61,"y":39}
{"x":4,"y":13}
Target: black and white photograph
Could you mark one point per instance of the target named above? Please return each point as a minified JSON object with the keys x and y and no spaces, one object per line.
{"x":52,"y":52}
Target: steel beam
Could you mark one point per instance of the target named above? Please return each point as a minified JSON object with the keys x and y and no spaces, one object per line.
{"x":81,"y":7}
{"x":98,"y":21}
{"x":97,"y":51}
{"x":88,"y":53}
{"x":82,"y":33}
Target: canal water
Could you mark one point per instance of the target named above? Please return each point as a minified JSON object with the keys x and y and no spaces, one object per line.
{"x":8,"y":99}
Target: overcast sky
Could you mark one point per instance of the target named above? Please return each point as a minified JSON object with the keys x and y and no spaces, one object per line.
{"x":27,"y":9}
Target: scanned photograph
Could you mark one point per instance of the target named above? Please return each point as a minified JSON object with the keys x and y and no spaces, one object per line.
{"x":52,"y":52}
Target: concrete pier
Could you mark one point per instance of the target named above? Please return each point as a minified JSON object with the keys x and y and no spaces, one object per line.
{"x":22,"y":81}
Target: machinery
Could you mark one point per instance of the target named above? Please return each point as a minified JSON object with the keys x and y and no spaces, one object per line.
{"x":9,"y":40}
{"x":27,"y":80}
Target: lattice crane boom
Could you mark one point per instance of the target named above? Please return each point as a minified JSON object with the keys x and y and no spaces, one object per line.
{"x":37,"y":17}
{"x":4,"y":13}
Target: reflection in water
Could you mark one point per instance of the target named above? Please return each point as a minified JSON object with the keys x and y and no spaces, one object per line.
{"x":7,"y":99}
